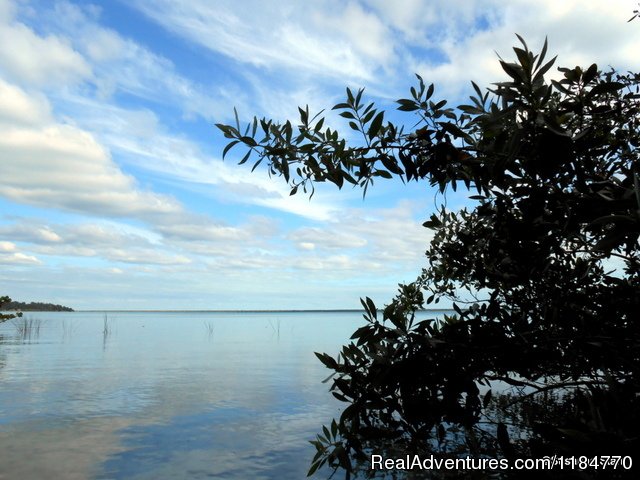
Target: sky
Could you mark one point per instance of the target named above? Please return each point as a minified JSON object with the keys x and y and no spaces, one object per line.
{"x":113,"y":191}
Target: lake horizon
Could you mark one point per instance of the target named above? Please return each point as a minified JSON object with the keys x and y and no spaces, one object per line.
{"x":173,"y":394}
{"x":230,"y":311}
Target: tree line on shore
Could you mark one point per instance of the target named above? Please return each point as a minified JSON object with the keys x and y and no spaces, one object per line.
{"x":9,"y":305}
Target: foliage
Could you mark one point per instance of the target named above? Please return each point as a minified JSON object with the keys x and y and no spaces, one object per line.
{"x":4,"y":301}
{"x":549,"y":251}
{"x":36,"y":307}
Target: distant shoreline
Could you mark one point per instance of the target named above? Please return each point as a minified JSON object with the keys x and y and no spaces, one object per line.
{"x":14,"y":306}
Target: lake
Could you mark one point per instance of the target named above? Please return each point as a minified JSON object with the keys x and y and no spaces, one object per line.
{"x":166,"y":395}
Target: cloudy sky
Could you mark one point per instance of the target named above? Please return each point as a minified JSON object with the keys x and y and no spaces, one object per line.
{"x":113,"y":193}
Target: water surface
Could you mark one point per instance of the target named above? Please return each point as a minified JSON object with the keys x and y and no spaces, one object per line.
{"x":158,"y":395}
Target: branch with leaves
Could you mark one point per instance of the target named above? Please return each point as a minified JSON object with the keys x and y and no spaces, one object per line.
{"x":552,"y":169}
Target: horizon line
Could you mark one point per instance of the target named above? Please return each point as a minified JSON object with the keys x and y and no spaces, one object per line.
{"x":277,"y":310}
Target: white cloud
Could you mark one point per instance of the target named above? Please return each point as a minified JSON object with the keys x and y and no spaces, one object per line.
{"x":364,"y":31}
{"x":19,"y":259}
{"x":380,"y":44}
{"x":18,"y":108}
{"x":125,"y":66}
{"x":110,"y":241}
{"x":392,"y":236}
{"x":203,"y":230}
{"x":55,"y":165}
{"x":7,"y":10}
{"x":32,"y":232}
{"x":10,"y":256}
{"x":580,"y":33}
{"x":7,"y":247}
{"x":293,"y":36}
{"x":139,"y":139}
{"x":35,"y":60}
{"x":309,"y":237}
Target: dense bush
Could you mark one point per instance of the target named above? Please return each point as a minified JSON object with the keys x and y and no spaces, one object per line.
{"x":543,"y":353}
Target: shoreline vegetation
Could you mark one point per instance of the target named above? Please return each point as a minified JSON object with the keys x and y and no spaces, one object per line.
{"x":12,"y":306}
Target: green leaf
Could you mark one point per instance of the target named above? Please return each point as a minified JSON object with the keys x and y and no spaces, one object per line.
{"x":229,"y":147}
{"x":477,"y":89}
{"x":455,"y":131}
{"x":543,"y":53}
{"x":408,"y":108}
{"x":513,"y":70}
{"x":304,"y":115}
{"x":368,"y":116}
{"x":327,"y":360}
{"x":433,"y":223}
{"x":315,"y":466}
{"x":255,"y":165}
{"x":350,"y":98}
{"x":421,"y":82}
{"x":523,"y":58}
{"x":245,"y":158}
{"x":391,"y":165}
{"x":372,"y":308}
{"x":249,"y":141}
{"x":605,"y":87}
{"x":540,"y":73}
{"x":439,"y":105}
{"x":590,"y":73}
{"x":429,"y":92}
{"x":235,"y":114}
{"x":358,"y":97}
{"x":487,"y":399}
{"x":524,"y":44}
{"x":342,"y":398}
{"x":376,"y":123}
{"x":334,"y":428}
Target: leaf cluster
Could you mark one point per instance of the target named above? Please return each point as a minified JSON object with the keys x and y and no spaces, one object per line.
{"x":4,"y":301}
{"x":554,"y":171}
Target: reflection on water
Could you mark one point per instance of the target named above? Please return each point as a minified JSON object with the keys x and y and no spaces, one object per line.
{"x":165,"y":395}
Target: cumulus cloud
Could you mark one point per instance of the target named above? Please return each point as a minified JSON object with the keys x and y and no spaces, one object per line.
{"x":18,"y":108}
{"x":36,"y":60}
{"x":49,"y":164}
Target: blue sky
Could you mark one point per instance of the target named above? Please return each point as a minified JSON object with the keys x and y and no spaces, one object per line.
{"x":113,"y":193}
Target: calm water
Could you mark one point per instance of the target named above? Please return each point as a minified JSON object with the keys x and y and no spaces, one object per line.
{"x":169,"y":395}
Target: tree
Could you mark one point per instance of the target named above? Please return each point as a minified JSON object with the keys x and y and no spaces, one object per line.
{"x":546,"y":359}
{"x":7,"y":316}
